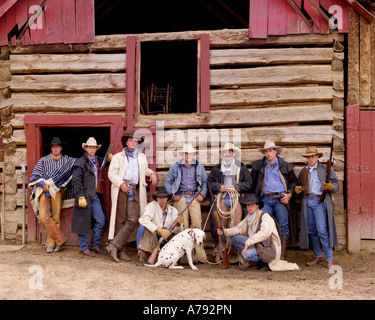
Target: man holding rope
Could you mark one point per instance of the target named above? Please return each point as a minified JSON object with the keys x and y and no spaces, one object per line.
{"x":228,"y":180}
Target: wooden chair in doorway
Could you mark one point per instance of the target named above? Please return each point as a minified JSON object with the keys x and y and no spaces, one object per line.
{"x":158,"y":99}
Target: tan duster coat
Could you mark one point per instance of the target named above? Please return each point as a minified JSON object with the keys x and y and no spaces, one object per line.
{"x":116,"y":173}
{"x":267,"y":228}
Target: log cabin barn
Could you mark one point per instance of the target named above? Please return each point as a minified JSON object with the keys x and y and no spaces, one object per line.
{"x":299,"y":72}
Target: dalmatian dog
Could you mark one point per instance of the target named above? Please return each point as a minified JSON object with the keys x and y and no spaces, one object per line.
{"x":175,"y":249}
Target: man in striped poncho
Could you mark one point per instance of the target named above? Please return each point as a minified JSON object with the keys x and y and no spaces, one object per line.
{"x":51,"y":174}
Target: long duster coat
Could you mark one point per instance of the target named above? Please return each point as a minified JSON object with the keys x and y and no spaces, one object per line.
{"x":84,"y":184}
{"x":116,"y":173}
{"x":328,"y":205}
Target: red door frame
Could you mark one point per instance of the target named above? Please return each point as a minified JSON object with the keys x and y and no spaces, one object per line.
{"x":33,"y":124}
{"x":359,"y":169}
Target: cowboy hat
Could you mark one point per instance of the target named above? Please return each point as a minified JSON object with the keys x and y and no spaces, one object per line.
{"x":56,"y":140}
{"x":269,"y":144}
{"x":91,"y":142}
{"x":311,"y":151}
{"x":131,"y":134}
{"x":231,"y":146}
{"x":187,"y":148}
{"x":251,"y":198}
{"x":162,"y":192}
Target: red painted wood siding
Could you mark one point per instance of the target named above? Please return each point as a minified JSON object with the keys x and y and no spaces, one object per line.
{"x":33,"y":125}
{"x":278,"y":18}
{"x":360,"y":152}
{"x":62,"y":21}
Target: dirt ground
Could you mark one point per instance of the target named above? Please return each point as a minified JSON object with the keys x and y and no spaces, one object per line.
{"x":31,"y":273}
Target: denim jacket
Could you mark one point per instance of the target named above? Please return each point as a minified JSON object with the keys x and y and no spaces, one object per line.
{"x":173,"y":178}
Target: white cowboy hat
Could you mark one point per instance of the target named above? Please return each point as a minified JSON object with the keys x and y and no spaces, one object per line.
{"x":91,"y":142}
{"x":231,"y":146}
{"x":188,"y":148}
{"x":269,"y":144}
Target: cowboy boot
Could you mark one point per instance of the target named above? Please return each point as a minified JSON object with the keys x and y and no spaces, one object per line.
{"x":141,"y":259}
{"x":284,"y":242}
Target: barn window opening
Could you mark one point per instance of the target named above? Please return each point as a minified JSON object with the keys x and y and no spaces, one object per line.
{"x":74,"y":137}
{"x":168,"y":78}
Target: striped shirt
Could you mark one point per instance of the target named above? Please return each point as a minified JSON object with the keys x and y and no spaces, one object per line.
{"x":60,"y":171}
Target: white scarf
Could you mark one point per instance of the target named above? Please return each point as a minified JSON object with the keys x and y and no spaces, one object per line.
{"x":229,"y":172}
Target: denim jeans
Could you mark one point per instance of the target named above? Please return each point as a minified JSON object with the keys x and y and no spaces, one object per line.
{"x":238,"y":242}
{"x":317,"y":228}
{"x":97,"y":214}
{"x":275,"y":207}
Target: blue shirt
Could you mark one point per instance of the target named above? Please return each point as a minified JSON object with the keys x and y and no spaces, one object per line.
{"x":132,"y":170}
{"x":188,"y":179}
{"x":315,"y":184}
{"x":273,"y":183}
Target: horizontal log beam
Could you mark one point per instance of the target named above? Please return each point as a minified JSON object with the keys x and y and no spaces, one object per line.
{"x":280,"y":75}
{"x":96,"y":82}
{"x":43,"y":63}
{"x":68,"y":102}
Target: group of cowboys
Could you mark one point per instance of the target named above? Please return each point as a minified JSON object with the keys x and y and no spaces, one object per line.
{"x":239,"y":195}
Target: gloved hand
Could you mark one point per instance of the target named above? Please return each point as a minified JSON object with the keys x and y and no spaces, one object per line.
{"x":327,"y":186}
{"x":163,"y":233}
{"x":180,"y":220}
{"x":298,"y":189}
{"x":82,"y":202}
{"x":109,"y":157}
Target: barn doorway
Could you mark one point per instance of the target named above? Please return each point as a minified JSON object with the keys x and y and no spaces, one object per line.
{"x":168,"y":78}
{"x":74,"y":137}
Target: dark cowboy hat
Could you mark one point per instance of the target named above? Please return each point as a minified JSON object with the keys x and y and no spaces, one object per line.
{"x":162,"y":192}
{"x":131,"y":134}
{"x":251,"y":198}
{"x":56,"y":140}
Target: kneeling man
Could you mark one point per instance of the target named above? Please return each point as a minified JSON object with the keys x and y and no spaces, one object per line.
{"x":157,"y":218}
{"x":245,"y":235}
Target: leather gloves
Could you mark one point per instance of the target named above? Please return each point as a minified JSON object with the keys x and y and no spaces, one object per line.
{"x":82,"y":202}
{"x":327,"y":186}
{"x":163,"y":233}
{"x":109,"y":157}
{"x":298,"y":189}
{"x":180,"y":220}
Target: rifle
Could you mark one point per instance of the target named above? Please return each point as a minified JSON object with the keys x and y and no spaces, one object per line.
{"x":102,"y":167}
{"x":154,"y":254}
{"x":285,"y":204}
{"x":226,"y":263}
{"x":328,"y":176}
{"x":222,"y":243}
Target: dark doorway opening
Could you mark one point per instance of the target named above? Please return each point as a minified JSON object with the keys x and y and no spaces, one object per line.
{"x":171,"y":66}
{"x":74,"y":137}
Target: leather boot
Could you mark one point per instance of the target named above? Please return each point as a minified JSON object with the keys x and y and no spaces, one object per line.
{"x":141,"y":259}
{"x":284,"y":242}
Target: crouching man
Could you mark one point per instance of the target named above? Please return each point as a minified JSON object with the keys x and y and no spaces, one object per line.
{"x":157,"y":218}
{"x":251,"y":230}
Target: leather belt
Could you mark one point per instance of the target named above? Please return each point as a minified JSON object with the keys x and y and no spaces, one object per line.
{"x":128,"y":183}
{"x":272,"y":195}
{"x":314,"y":195}
{"x":188,"y":192}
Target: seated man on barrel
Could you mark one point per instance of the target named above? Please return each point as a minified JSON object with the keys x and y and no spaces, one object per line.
{"x":157,"y":218}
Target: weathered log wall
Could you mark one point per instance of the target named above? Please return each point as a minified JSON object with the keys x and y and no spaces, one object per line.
{"x":289,"y":89}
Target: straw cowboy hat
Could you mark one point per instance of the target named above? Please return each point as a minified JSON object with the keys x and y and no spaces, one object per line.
{"x":162,"y":192}
{"x":131,"y":134}
{"x":231,"y":146}
{"x":91,"y":142}
{"x":311,"y":151}
{"x":269,"y":144}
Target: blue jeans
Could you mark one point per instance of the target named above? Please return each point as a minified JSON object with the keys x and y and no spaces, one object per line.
{"x":97,"y":215}
{"x":317,"y":228}
{"x":238,"y":242}
{"x":275,"y":207}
